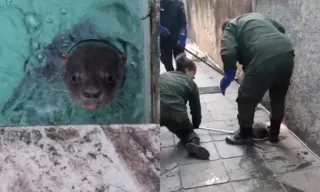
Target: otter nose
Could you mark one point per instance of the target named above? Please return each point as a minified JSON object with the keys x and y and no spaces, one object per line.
{"x":91,"y":93}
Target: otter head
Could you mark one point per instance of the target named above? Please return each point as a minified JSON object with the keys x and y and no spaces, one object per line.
{"x":94,"y":71}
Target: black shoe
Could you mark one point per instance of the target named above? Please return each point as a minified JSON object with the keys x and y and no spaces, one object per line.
{"x":194,"y":149}
{"x":237,"y":139}
{"x":273,"y":137}
{"x":274,"y":130}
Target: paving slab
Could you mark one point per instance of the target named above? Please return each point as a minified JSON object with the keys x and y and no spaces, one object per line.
{"x":207,"y":98}
{"x":282,"y":161}
{"x":219,"y":105}
{"x":203,"y":174}
{"x":242,"y":168}
{"x":168,"y":156}
{"x":227,"y":187}
{"x":205,"y":113}
{"x":169,"y":170}
{"x":224,"y":114}
{"x":228,"y":151}
{"x":170,"y":184}
{"x":204,"y":135}
{"x":301,"y":181}
{"x":166,"y":137}
{"x":269,"y":184}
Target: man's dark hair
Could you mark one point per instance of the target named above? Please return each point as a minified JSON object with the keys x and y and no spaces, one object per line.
{"x":224,"y":24}
{"x":184,"y":63}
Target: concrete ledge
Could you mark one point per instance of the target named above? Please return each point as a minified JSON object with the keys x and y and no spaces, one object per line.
{"x":80,"y":158}
{"x":209,"y":90}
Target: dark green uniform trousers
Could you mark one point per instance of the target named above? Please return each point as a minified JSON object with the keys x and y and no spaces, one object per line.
{"x":177,"y":123}
{"x":273,"y":74}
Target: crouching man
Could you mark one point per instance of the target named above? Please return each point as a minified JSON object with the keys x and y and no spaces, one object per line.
{"x":176,"y":89}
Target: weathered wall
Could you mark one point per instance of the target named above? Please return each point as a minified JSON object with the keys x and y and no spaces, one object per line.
{"x":205,"y":18}
{"x":300,"y":18}
{"x":80,"y":158}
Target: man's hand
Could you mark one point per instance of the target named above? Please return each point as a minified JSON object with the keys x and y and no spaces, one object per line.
{"x":226,"y":80}
{"x":182,"y":37}
{"x":182,"y":41}
{"x":164,"y":32}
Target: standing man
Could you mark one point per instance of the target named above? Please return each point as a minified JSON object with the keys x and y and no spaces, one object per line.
{"x":176,"y":89}
{"x":173,"y":31}
{"x":261,"y":46}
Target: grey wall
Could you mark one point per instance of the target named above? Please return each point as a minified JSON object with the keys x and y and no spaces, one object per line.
{"x":301,"y":19}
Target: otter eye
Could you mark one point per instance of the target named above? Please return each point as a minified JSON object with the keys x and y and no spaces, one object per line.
{"x":109,"y":79}
{"x":75,"y":77}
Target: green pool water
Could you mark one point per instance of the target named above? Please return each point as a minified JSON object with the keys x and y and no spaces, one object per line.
{"x":28,"y":26}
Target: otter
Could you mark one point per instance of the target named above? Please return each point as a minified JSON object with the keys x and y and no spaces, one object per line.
{"x":260,"y":133}
{"x":94,"y":70}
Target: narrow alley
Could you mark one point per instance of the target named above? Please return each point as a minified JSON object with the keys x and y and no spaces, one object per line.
{"x":287,"y":166}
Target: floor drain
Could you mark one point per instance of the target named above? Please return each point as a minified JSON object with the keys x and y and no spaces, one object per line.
{"x":209,"y":90}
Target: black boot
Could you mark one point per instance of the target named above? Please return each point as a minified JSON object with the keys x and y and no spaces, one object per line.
{"x":274,"y":130}
{"x":194,"y":149}
{"x":242,"y":136}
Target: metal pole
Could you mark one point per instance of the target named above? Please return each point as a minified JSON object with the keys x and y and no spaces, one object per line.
{"x":211,"y":66}
{"x":217,"y":130}
{"x":205,"y":62}
{"x":230,"y":132}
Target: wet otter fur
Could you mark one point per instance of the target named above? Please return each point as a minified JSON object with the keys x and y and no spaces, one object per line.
{"x":260,"y":131}
{"x":94,"y":70}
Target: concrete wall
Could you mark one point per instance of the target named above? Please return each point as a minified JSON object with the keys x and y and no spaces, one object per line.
{"x":80,"y":158}
{"x":300,"y":18}
{"x":205,"y":18}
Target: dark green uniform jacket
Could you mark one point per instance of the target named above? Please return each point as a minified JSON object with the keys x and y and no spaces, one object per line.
{"x":251,"y":39}
{"x":176,"y":89}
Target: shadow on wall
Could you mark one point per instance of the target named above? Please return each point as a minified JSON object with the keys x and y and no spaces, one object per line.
{"x":205,"y":18}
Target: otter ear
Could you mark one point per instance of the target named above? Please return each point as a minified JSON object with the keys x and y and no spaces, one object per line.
{"x":64,"y":57}
{"x":122,"y":60}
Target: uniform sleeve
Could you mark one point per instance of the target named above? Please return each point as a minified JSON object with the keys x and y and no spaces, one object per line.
{"x":229,"y":47}
{"x":278,"y":26}
{"x":183,"y":19}
{"x":195,"y":106}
